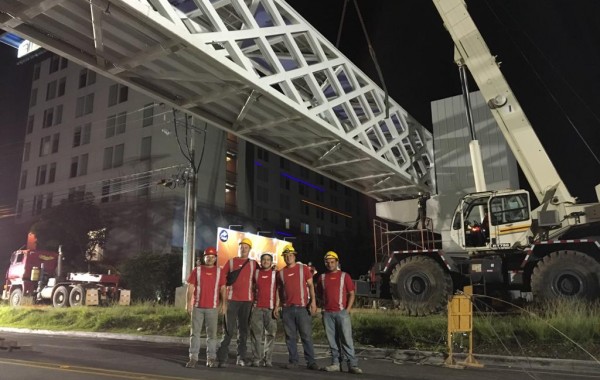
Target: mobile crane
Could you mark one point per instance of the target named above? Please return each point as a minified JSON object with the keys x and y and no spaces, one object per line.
{"x":549,"y":252}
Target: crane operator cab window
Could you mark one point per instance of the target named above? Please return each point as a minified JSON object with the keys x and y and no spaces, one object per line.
{"x":510,"y":208}
{"x":472,"y":218}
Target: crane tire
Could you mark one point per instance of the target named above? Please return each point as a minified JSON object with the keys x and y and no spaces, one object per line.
{"x":420,"y":286}
{"x":566,"y":274}
{"x":60,"y":297}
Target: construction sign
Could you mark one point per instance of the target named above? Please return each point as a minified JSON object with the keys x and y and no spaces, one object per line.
{"x":228,"y":246}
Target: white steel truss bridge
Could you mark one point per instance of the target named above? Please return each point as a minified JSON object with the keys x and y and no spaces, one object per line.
{"x":254,"y":68}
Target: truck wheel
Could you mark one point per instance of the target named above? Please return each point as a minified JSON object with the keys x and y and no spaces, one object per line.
{"x":420,"y":286}
{"x":16,"y":297}
{"x":60,"y":298}
{"x":77,"y":296}
{"x":568,"y":274}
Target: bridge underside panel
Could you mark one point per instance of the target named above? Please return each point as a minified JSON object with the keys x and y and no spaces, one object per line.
{"x":252,"y":67}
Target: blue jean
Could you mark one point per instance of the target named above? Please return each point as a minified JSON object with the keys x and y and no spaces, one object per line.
{"x":297,"y":320}
{"x":209,"y":318}
{"x":236,"y":319}
{"x":338,"y":327}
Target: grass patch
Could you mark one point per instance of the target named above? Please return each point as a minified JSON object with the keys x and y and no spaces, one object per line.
{"x":559,"y":330}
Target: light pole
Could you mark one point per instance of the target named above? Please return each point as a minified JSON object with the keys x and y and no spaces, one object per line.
{"x":189,"y":227}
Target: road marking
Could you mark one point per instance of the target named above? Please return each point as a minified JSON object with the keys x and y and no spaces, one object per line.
{"x":90,"y":370}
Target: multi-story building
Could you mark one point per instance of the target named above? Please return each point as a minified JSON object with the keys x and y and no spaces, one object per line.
{"x":89,"y":136}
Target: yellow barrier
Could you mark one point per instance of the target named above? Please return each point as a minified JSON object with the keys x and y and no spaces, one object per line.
{"x":460,"y":320}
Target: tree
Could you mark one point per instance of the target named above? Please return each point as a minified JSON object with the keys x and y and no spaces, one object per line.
{"x":68,"y":225}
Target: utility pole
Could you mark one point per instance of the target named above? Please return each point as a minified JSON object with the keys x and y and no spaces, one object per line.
{"x":189,"y":227}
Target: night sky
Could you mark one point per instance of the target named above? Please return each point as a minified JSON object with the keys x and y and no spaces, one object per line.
{"x":549,"y":49}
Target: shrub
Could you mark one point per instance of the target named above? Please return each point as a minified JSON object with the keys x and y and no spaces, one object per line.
{"x":153,"y":277}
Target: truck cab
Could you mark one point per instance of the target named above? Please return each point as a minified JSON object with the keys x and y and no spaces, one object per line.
{"x":492,"y":220}
{"x":24,"y":271}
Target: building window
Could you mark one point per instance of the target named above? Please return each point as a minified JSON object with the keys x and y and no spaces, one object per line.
{"x":54,"y":64}
{"x":62,"y":84}
{"x":320,"y":214}
{"x":26,"y":151}
{"x":51,"y":90}
{"x":86,"y":78}
{"x":63,"y":63}
{"x":113,"y":156}
{"x":146,"y":148}
{"x":262,"y":154}
{"x":284,"y":183}
{"x":111,"y":190}
{"x":48,"y":118}
{"x":105,"y":191}
{"x":304,"y":228}
{"x":85,"y":105}
{"x":284,"y":164}
{"x":115,"y":124}
{"x":33,"y":98}
{"x":38,"y":203}
{"x":287,"y":223}
{"x":81,"y":134}
{"x":319,"y":230}
{"x":36,"y":71}
{"x":55,"y":141}
{"x":40,"y":177}
{"x":333,"y":218}
{"x":76,"y":194}
{"x":23,"y":182}
{"x":117,"y":93}
{"x":30,"y":121}
{"x":148,"y":116}
{"x":45,"y":146}
{"x":79,"y":165}
{"x":319,"y":196}
{"x":52,"y":173}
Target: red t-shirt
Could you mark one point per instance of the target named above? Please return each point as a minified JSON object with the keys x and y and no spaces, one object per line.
{"x":265,"y":283}
{"x":334,"y":288}
{"x":241,"y":290}
{"x":206,"y":281}
{"x":292,"y":285}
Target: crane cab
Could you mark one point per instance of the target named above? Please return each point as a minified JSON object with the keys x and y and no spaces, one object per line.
{"x":492,"y":220}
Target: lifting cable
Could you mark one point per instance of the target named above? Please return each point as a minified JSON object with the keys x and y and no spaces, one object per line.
{"x":371,"y":50}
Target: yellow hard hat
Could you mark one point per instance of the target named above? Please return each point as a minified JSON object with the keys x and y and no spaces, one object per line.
{"x":331,"y":255}
{"x":288,"y":249}
{"x":246,"y":241}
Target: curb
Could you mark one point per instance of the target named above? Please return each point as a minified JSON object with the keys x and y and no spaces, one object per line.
{"x":398,"y":356}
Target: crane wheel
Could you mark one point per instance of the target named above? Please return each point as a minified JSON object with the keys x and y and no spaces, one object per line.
{"x":420,"y":286}
{"x":566,"y":274}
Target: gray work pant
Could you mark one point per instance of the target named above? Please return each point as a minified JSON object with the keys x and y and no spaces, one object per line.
{"x":236,"y":319}
{"x":262,"y":334}
{"x":209,"y":318}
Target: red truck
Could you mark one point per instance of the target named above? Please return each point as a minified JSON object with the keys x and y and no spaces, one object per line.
{"x":34,"y":276}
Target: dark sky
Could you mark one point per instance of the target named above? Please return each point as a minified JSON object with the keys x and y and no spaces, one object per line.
{"x":549,"y":49}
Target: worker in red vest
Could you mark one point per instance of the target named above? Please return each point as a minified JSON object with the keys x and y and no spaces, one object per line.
{"x":202,"y":302}
{"x":336,"y":289}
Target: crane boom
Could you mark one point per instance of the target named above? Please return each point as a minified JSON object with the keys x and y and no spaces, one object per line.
{"x":520,"y":136}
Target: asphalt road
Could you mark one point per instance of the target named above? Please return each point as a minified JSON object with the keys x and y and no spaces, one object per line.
{"x":70,"y":358}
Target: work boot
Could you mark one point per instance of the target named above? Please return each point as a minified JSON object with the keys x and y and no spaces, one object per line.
{"x":255,"y":363}
{"x":211,"y":363}
{"x":333,"y":368}
{"x":355,"y":370}
{"x":268,"y":364}
{"x":240,"y":362}
{"x":313,"y":367}
{"x":191,"y":363}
